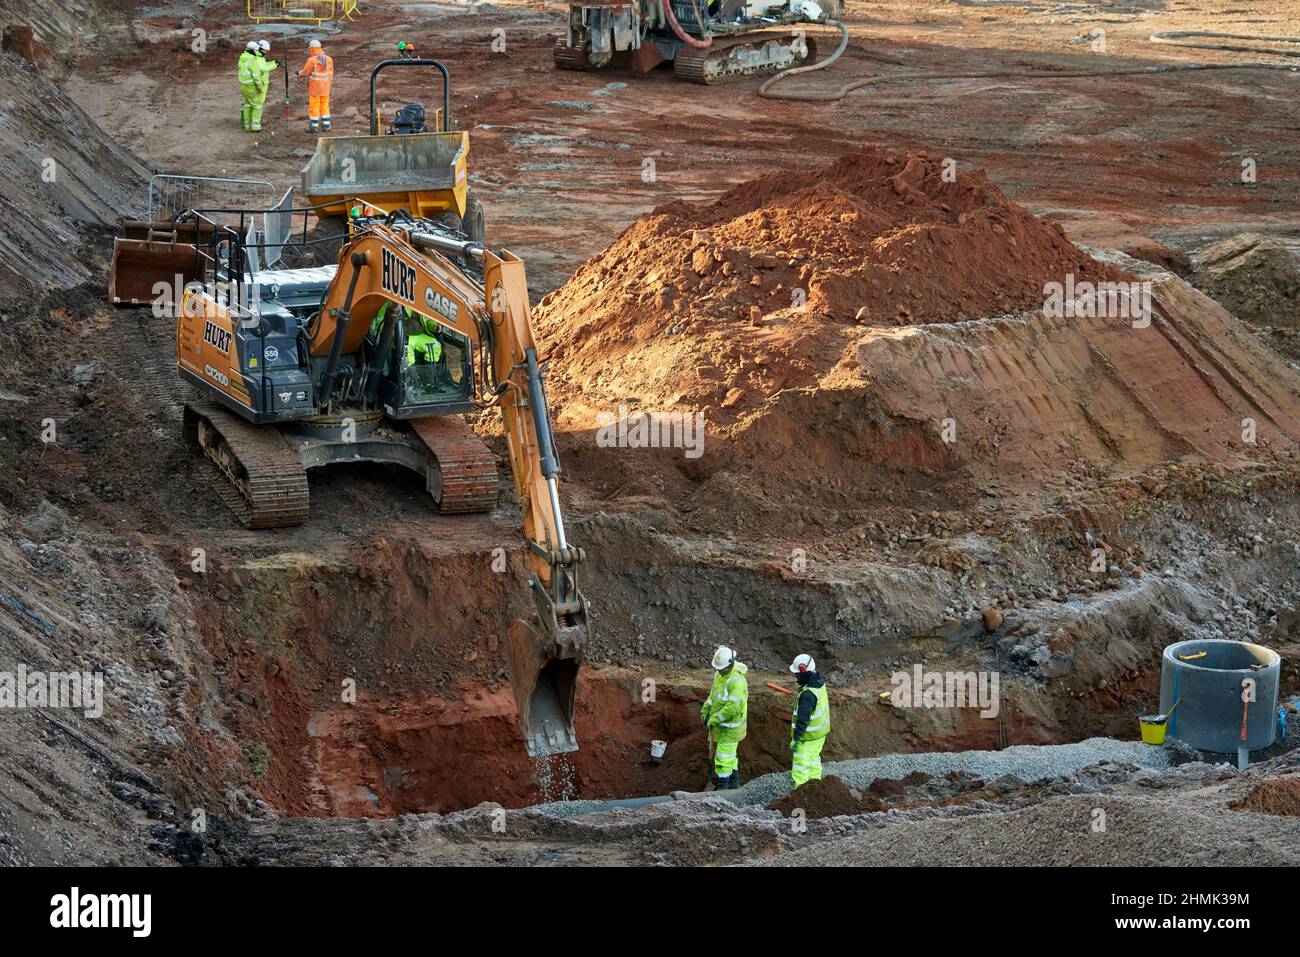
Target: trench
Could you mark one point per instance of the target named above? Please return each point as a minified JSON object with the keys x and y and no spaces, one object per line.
{"x":373,"y":685}
{"x":396,"y":755}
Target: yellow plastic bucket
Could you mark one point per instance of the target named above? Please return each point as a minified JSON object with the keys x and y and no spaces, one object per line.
{"x":1154,"y":727}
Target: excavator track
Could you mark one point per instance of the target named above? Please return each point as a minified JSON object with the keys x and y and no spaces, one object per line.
{"x":571,"y":58}
{"x":266,"y":485}
{"x":467,"y":469}
{"x":746,"y":55}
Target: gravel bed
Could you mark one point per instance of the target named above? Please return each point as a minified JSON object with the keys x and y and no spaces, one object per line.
{"x":1029,"y":762}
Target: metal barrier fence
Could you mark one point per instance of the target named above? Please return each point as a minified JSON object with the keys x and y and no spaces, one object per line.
{"x":252,"y":243}
{"x":244,"y":242}
{"x":317,"y":11}
{"x":170,"y":195}
{"x":277,"y":227}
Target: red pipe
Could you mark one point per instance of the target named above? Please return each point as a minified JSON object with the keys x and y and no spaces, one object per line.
{"x":682,"y":34}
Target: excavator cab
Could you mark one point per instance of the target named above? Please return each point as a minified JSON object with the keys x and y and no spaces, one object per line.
{"x":429,"y":370}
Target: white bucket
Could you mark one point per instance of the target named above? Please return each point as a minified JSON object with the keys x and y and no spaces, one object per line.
{"x":657,"y":749}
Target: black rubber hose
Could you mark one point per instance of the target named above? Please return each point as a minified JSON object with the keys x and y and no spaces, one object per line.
{"x":811,"y":68}
{"x":326,"y":388}
{"x":387,"y":333}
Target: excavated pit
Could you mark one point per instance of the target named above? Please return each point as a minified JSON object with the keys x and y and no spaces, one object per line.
{"x":356,"y":666}
{"x":345,"y":705}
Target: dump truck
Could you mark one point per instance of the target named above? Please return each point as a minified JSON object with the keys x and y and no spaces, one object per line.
{"x":418,"y":164}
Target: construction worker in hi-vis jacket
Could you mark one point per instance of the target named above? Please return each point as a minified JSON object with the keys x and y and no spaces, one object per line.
{"x":319,"y":72}
{"x":248,"y":82}
{"x":261,"y":69}
{"x":810,"y":723}
{"x":726,"y":714}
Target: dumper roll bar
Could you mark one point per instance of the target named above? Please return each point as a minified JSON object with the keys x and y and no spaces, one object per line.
{"x":446,"y":90}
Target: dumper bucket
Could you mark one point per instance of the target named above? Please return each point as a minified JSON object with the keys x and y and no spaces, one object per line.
{"x":424,"y":173}
{"x":152,"y":253}
{"x":544,"y":679}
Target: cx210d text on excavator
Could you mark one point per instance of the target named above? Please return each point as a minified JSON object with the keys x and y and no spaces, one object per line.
{"x":371,"y":360}
{"x":707,"y":41}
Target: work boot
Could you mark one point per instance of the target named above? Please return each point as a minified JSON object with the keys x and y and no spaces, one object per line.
{"x":311,"y":126}
{"x":325,"y":123}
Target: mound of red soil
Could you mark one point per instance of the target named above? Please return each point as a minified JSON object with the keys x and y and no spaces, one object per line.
{"x":717,"y":305}
{"x":1280,"y":796}
{"x":827,"y":797}
{"x":876,"y":331}
{"x":897,"y":237}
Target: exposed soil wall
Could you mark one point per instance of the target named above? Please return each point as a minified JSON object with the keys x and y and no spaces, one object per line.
{"x":365,"y":711}
{"x":63,"y":180}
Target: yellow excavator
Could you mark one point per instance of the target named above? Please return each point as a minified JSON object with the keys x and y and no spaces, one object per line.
{"x":372,"y":360}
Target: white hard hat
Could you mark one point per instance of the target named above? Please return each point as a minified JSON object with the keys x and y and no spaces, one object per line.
{"x":802,"y":663}
{"x":314,"y":45}
{"x":722,"y":658}
{"x":250,"y":45}
{"x":265,"y":47}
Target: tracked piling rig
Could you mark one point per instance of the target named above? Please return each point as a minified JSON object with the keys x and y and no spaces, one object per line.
{"x":300,"y":368}
{"x":707,"y":42}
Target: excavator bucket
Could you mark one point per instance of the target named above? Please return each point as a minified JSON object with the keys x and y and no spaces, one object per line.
{"x":138,"y":265}
{"x":152,"y":253}
{"x":544,"y":678}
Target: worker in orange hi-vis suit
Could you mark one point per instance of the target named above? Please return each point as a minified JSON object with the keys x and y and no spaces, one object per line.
{"x":319,"y":72}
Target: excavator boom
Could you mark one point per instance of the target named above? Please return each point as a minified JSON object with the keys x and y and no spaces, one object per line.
{"x":407,"y":263}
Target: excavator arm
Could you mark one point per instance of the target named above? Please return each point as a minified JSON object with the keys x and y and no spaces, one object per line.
{"x":407,"y":263}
